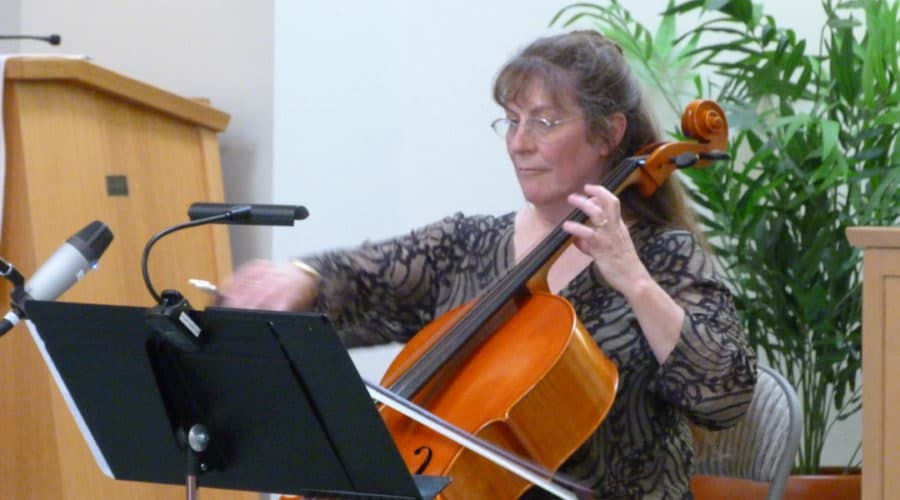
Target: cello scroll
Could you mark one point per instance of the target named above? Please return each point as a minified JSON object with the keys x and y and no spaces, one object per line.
{"x":705,"y":122}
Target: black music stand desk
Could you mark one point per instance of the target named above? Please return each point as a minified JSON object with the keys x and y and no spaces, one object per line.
{"x":285,"y":409}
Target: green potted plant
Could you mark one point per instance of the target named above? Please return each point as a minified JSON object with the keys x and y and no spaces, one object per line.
{"x":814,"y":149}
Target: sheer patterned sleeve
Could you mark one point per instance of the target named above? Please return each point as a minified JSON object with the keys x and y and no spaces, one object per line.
{"x":386,"y":291}
{"x":711,"y":373}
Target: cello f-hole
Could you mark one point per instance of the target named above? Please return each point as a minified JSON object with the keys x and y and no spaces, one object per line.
{"x":429,"y":454}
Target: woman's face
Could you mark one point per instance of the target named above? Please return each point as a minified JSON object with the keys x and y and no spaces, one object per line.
{"x":558,"y":160}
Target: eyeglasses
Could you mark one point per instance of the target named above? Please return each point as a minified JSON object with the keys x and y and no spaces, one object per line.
{"x":536,"y":128}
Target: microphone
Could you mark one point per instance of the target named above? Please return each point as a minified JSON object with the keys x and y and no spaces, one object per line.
{"x":52,"y":39}
{"x":249,"y":214}
{"x":71,"y":261}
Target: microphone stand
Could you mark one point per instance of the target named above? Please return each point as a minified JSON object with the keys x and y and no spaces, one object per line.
{"x":16,"y":313}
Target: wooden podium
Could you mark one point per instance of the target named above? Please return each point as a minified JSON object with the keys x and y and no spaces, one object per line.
{"x":84,"y":143}
{"x":881,"y":359}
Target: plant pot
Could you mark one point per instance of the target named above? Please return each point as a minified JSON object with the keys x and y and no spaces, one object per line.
{"x":833,"y":483}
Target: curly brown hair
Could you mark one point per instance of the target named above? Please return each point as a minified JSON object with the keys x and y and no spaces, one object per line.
{"x":592,"y":69}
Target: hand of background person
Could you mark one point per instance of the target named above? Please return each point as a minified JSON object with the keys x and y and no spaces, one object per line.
{"x":262,"y":284}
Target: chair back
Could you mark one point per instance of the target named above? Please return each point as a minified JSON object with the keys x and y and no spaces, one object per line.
{"x":762,"y":446}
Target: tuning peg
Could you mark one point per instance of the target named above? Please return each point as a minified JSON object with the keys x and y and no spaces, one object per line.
{"x":715,"y":155}
{"x":685,"y":160}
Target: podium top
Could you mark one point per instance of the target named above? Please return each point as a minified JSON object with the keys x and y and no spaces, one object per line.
{"x":874,"y":236}
{"x":101,"y":79}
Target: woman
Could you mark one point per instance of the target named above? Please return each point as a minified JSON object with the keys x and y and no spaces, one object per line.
{"x":638,"y":276}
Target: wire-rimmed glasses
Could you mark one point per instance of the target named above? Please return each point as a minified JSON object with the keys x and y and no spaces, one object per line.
{"x":536,"y":128}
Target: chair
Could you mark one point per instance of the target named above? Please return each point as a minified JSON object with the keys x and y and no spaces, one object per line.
{"x":761,"y":447}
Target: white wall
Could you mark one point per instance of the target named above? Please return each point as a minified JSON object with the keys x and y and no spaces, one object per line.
{"x":9,"y":25}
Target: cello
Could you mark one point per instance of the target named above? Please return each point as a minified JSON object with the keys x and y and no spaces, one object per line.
{"x":501,"y":366}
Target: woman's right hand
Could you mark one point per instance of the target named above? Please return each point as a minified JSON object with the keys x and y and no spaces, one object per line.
{"x":262,"y":284}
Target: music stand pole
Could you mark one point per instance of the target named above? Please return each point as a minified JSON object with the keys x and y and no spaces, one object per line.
{"x":187,"y":412}
{"x":198,"y":441}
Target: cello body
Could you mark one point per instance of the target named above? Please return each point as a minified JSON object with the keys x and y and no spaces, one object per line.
{"x":540,"y":360}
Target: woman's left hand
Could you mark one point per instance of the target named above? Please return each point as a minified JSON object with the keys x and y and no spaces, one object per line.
{"x":605,"y":238}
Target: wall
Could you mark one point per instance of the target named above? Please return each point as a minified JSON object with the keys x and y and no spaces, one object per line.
{"x":9,"y":25}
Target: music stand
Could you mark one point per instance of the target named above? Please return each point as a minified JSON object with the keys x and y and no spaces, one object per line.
{"x":284,"y":407}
